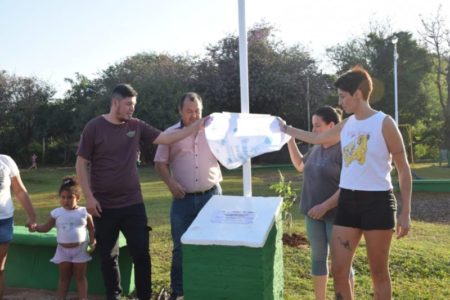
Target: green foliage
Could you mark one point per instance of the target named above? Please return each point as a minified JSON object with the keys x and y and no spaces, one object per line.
{"x":160,"y":80}
{"x":277,"y":77}
{"x":284,"y":189}
{"x":375,"y":51}
{"x":436,"y":37}
{"x":416,"y":91}
{"x":23,"y":100}
{"x":426,"y":140}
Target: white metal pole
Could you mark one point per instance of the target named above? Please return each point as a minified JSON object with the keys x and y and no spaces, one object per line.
{"x":245,"y":107}
{"x":395,"y":81}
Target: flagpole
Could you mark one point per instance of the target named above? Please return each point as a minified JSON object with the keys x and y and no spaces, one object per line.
{"x":245,"y":107}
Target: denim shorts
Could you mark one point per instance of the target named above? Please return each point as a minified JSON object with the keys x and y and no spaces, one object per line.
{"x":6,"y":230}
{"x":366,"y":210}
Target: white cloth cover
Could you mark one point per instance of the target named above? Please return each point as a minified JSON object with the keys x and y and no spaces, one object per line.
{"x":234,"y":138}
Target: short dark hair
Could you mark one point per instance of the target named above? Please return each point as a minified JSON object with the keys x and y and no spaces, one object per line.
{"x":189,"y":96}
{"x":355,"y":79}
{"x":124,"y":90}
{"x":70,"y":184}
{"x":329,"y":114}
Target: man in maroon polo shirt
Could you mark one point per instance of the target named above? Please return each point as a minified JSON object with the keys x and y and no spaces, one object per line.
{"x":107,"y":171}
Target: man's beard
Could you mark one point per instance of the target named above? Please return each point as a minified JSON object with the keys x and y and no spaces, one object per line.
{"x":125,"y":118}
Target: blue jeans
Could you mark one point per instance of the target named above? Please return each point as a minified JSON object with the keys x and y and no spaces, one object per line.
{"x":132,"y":221}
{"x":182,"y":214}
{"x":319,"y":236}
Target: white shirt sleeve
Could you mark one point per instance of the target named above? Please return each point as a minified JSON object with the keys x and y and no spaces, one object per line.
{"x":55,"y":213}
{"x":11,"y":164}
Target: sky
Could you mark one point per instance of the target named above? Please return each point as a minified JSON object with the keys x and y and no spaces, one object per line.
{"x":54,"y":39}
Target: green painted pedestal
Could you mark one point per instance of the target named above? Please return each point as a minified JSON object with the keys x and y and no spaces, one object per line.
{"x":428,"y":185}
{"x":28,"y":264}
{"x":242,"y":269}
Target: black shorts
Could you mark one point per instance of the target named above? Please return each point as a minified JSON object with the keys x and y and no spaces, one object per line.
{"x":366,"y":210}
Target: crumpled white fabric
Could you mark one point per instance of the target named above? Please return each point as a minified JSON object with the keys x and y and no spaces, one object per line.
{"x":234,"y":137}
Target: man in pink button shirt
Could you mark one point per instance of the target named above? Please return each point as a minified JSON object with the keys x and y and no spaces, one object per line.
{"x":192,"y":174}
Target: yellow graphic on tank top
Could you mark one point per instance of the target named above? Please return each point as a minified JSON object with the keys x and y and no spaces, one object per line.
{"x":356,"y":150}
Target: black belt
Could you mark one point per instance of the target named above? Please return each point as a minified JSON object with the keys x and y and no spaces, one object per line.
{"x":201,"y":193}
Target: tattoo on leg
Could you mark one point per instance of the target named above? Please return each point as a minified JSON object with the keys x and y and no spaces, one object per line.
{"x":339,"y":296}
{"x":346,"y":244}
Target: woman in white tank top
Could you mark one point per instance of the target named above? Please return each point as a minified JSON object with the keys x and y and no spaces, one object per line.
{"x":370,"y":142}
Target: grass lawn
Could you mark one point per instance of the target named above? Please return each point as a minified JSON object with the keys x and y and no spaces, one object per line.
{"x":420,"y":264}
{"x":432,"y":170}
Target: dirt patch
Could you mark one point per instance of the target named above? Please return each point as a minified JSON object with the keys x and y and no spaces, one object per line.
{"x":295,"y":240}
{"x":430,"y":207}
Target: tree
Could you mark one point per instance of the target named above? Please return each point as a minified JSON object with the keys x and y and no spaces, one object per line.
{"x":160,"y":80}
{"x":437,"y":38}
{"x":22,"y":100}
{"x":374,"y":51}
{"x":277,"y":76}
{"x":64,"y":119}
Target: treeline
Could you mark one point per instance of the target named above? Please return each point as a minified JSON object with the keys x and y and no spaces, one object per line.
{"x":282,"y":80}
